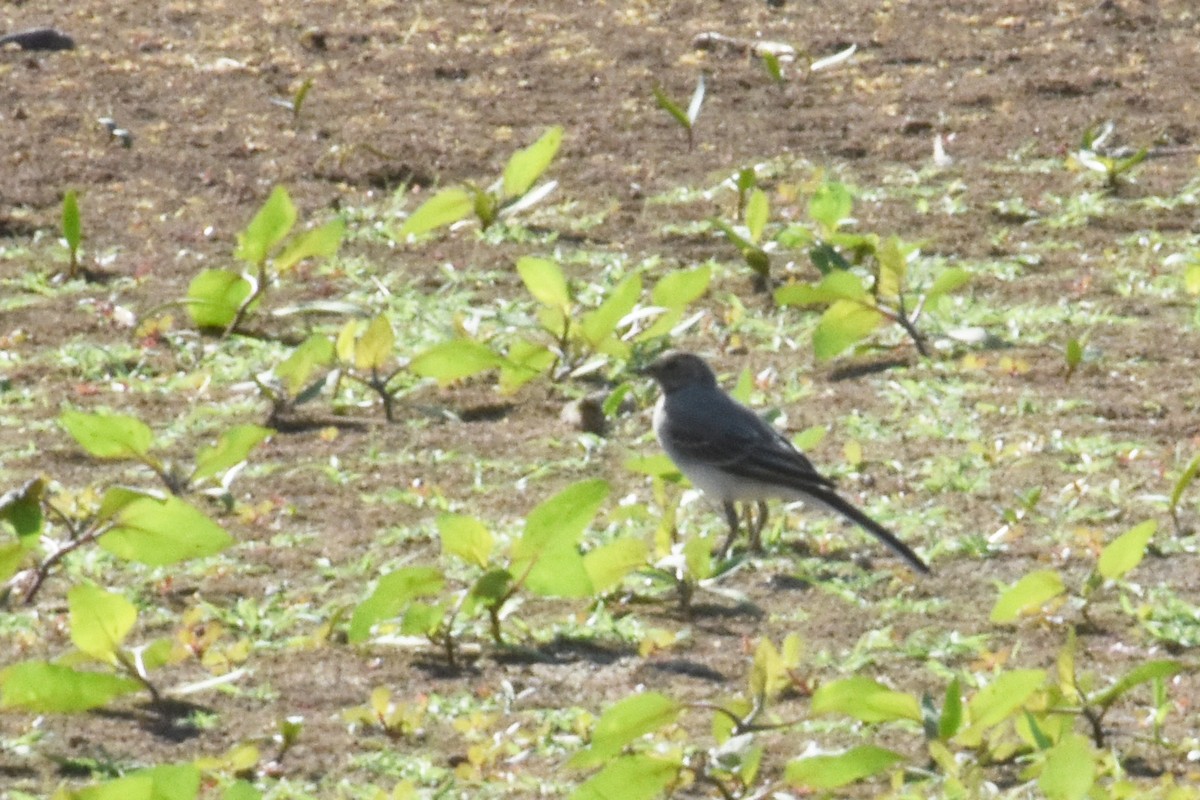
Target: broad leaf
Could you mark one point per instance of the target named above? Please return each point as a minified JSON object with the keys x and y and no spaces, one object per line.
{"x":22,"y":508}
{"x":625,"y":721}
{"x":865,"y":700}
{"x":1069,"y":769}
{"x":830,"y":206}
{"x":454,"y":360}
{"x":844,"y":324}
{"x":214,"y":297}
{"x":557,"y":523}
{"x":297,"y":369}
{"x":42,"y":687}
{"x":1027,"y":595}
{"x":602,"y":322}
{"x":636,"y":777}
{"x":838,"y":285}
{"x":1126,"y":551}
{"x":395,"y":591}
{"x":444,"y":208}
{"x":947,"y":281}
{"x":163,"y":532}
{"x":527,"y":165}
{"x":322,"y":241}
{"x":375,"y":348}
{"x":607,"y":566}
{"x":108,"y":435}
{"x":831,"y":772}
{"x":100,"y":620}
{"x":997,"y":701}
{"x":1142,"y":673}
{"x":465,"y":537}
{"x":545,"y":281}
{"x":680,"y":287}
{"x":268,"y":228}
{"x":231,"y":449}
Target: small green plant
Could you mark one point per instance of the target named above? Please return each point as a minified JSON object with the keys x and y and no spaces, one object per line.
{"x":754,"y":208}
{"x":221,"y":299}
{"x":546,"y":561}
{"x":397,"y":719}
{"x":366,"y":352}
{"x":856,"y":306}
{"x":1091,"y":155}
{"x":1184,"y":480}
{"x":72,"y":228}
{"x":100,"y":623}
{"x":582,"y":340}
{"x":121,"y":437}
{"x":686,"y":119}
{"x":512,"y":193}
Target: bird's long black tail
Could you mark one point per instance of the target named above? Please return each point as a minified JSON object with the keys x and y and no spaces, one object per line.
{"x":852,"y":513}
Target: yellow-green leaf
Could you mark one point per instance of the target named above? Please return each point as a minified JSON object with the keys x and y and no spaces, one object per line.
{"x":831,"y":772}
{"x":376,"y":346}
{"x":444,"y":208}
{"x":866,"y":700}
{"x":527,"y":165}
{"x":272,"y":222}
{"x":465,"y":537}
{"x":1027,"y":595}
{"x":100,"y":620}
{"x":108,"y":435}
{"x":1126,"y":551}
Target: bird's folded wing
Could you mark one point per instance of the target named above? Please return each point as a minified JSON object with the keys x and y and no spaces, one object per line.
{"x":751,"y":452}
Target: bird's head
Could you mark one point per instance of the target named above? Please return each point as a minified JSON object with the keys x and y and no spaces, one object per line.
{"x":676,"y":369}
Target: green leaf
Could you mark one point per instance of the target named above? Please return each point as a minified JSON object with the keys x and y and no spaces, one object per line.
{"x":635,"y":777}
{"x":625,"y":721}
{"x":162,"y":782}
{"x":601,"y":323}
{"x":376,"y":347}
{"x":655,"y":466}
{"x":465,"y":537}
{"x":1069,"y":769}
{"x":843,"y":324}
{"x":952,"y":711}
{"x":607,"y":565}
{"x":232,"y":448}
{"x":492,"y":586}
{"x":1142,"y":673}
{"x":100,"y":620}
{"x":839,"y":285}
{"x":214,"y":297}
{"x":1191,"y":279}
{"x":444,"y":208}
{"x":297,"y":369}
{"x":559,"y":522}
{"x":893,"y":256}
{"x":1184,"y":480}
{"x":108,"y":435}
{"x":322,"y":241}
{"x":865,"y":700}
{"x":454,"y":360}
{"x":1027,"y":595}
{"x":752,"y":254}
{"x":996,"y":702}
{"x":770,"y":63}
{"x":671,"y":107}
{"x":830,"y":206}
{"x":268,"y":228}
{"x":42,"y":687}
{"x":1126,"y":551}
{"x":72,"y":226}
{"x":241,"y":790}
{"x":523,"y":362}
{"x":395,"y":591}
{"x":545,"y":281}
{"x":22,"y":508}
{"x":526,"y":166}
{"x":947,"y":282}
{"x":831,"y":772}
{"x":680,"y":287}
{"x":12,"y":556}
{"x":758,"y":210}
{"x":157,"y":533}
{"x":118,"y":497}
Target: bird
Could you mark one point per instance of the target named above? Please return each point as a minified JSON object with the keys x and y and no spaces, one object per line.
{"x":732,"y":455}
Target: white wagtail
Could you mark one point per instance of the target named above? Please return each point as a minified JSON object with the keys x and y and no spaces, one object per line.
{"x":729,"y":453}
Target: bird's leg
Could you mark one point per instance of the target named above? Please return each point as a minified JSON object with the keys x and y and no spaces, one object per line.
{"x":731,"y":515}
{"x":755,"y":525}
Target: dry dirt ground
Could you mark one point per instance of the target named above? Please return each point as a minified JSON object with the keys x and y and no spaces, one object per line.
{"x":432,"y":93}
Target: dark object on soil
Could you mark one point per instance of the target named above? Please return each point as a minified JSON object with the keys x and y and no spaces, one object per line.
{"x":39,"y":39}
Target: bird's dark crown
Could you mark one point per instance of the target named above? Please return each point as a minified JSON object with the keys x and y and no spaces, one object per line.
{"x":676,"y":369}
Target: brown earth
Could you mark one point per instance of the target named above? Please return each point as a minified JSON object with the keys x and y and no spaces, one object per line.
{"x":424,"y":94}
